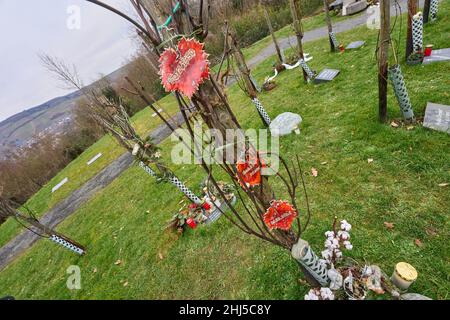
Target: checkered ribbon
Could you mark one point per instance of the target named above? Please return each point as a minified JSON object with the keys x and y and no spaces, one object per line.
{"x":334,"y":40}
{"x":401,"y":93}
{"x":66,"y":244}
{"x":417,"y":33}
{"x":434,"y":9}
{"x":176,"y":182}
{"x":261,"y":110}
{"x":307,"y":69}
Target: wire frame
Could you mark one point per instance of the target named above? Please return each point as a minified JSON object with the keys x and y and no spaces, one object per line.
{"x":401,"y":93}
{"x":417,"y":33}
{"x":334,"y":39}
{"x":434,"y":9}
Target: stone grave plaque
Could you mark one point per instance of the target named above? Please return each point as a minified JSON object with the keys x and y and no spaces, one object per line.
{"x":285,"y":123}
{"x":59,"y":185}
{"x":355,"y":44}
{"x":438,"y":56}
{"x":437,"y":117}
{"x":326,"y":75}
{"x":94,"y":159}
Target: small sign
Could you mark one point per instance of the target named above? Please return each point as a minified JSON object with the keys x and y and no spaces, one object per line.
{"x":59,"y":185}
{"x":356,"y":45}
{"x":437,"y":117}
{"x":438,"y":56}
{"x":94,"y":159}
{"x":326,"y":75}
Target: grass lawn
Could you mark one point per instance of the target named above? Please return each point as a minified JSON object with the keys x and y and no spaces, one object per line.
{"x":340,"y":131}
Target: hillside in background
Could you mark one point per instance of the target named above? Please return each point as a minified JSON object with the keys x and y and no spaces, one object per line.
{"x":51,"y":117}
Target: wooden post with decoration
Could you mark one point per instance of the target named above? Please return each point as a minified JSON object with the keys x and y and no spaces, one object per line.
{"x":383,"y":54}
{"x":329,"y":26}
{"x":412,"y":10}
{"x":294,"y":6}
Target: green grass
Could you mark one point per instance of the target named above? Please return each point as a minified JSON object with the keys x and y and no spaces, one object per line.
{"x":340,"y":127}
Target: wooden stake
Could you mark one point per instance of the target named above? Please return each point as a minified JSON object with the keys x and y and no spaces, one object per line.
{"x":412,"y":10}
{"x":383,"y":54}
{"x":329,"y":25}
{"x":274,"y":39}
{"x":296,"y":21}
{"x":426,"y":11}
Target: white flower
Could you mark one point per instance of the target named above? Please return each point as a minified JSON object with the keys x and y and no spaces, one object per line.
{"x":326,"y":294}
{"x":367,"y":271}
{"x":311,"y":295}
{"x":338,"y":253}
{"x":345,"y":226}
{"x":329,"y":234}
{"x":348,"y":245}
{"x":344,"y":235}
{"x":328,"y":243}
{"x":326,"y":254}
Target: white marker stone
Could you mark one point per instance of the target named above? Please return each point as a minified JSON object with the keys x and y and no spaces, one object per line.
{"x":59,"y":185}
{"x":94,"y":159}
{"x":285,"y":123}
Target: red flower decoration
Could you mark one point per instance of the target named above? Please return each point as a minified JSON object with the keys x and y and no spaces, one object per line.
{"x":206,"y":206}
{"x":280,"y":215}
{"x":249,"y":171}
{"x":184,"y":70}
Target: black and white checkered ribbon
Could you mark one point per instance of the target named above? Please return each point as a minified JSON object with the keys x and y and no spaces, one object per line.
{"x":434,"y":9}
{"x":66,"y":244}
{"x":417,"y":32}
{"x":261,"y":110}
{"x":334,"y":40}
{"x":401,"y":93}
{"x":307,"y":69}
{"x":176,"y":182}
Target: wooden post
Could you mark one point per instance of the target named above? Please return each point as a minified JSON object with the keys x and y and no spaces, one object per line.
{"x":329,"y":25}
{"x":383,"y":53}
{"x":296,"y":21}
{"x":426,"y":11}
{"x":274,"y":39}
{"x":412,"y":10}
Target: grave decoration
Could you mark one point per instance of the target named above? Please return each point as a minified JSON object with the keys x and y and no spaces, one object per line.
{"x":401,"y":93}
{"x":437,"y":117}
{"x":193,"y":215}
{"x":417,"y":53}
{"x":211,"y":102}
{"x":285,"y":123}
{"x":345,"y":279}
{"x":234,"y":56}
{"x":285,"y":66}
{"x":29,"y":221}
{"x":183,"y":69}
{"x":326,"y":75}
{"x":437,"y":56}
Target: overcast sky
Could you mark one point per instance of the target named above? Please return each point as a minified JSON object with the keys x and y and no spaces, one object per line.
{"x":28,"y":27}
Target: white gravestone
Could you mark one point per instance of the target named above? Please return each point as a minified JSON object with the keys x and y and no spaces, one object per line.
{"x":437,"y":117}
{"x":59,"y":185}
{"x":437,"y":56}
{"x":285,"y":123}
{"x":94,"y":159}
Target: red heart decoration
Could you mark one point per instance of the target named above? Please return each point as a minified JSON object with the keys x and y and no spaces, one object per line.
{"x":186,"y":69}
{"x":280,"y":215}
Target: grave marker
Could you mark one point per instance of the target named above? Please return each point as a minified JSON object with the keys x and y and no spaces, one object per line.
{"x":437,"y":117}
{"x":326,"y":75}
{"x":94,"y":159}
{"x":356,"y":44}
{"x":59,"y":185}
{"x":438,"y":56}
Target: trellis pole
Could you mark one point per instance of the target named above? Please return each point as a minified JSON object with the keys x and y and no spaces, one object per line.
{"x":412,"y":10}
{"x":331,"y":36}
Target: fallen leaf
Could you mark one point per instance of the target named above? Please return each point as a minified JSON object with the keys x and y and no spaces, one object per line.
{"x":443,"y":184}
{"x":418,"y":243}
{"x":314,"y":172}
{"x":325,"y":162}
{"x":431,"y":231}
{"x":125,"y":284}
{"x":394,"y":124}
{"x":409,"y":127}
{"x":370,"y":160}
{"x":160,"y":256}
{"x":95,"y":270}
{"x":389,"y":225}
{"x":118,"y":262}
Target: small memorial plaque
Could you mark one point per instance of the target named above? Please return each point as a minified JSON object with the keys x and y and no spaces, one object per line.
{"x":94,"y":159}
{"x":326,"y":75}
{"x":437,"y":117}
{"x":355,"y":45}
{"x":59,"y":185}
{"x":437,"y":56}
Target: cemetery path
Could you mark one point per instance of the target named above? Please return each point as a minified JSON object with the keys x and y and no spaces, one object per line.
{"x":68,"y":206}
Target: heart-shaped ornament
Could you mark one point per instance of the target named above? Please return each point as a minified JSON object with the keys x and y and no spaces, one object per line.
{"x":185,"y":69}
